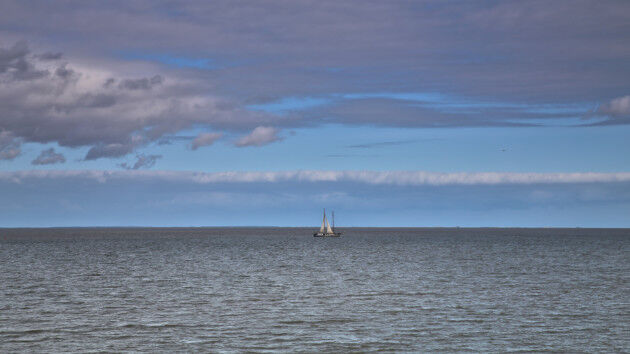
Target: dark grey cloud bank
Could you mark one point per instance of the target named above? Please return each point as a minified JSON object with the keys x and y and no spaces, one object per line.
{"x":76,"y":88}
{"x":514,"y":49}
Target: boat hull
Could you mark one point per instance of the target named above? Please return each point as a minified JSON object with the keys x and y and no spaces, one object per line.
{"x":336,"y":234}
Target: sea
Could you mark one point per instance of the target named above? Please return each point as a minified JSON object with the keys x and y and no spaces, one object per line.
{"x":282,"y":290}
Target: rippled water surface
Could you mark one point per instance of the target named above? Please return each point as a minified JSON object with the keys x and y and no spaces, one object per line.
{"x":247,"y":289}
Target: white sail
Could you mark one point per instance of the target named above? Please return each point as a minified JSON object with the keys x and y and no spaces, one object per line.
{"x":328,"y":229}
{"x":325,"y":230}
{"x":321,"y":229}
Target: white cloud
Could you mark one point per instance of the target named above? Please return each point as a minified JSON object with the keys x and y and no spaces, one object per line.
{"x":619,"y":106}
{"x":74,"y":104}
{"x":259,"y":137}
{"x":402,"y":178}
{"x":205,"y":139}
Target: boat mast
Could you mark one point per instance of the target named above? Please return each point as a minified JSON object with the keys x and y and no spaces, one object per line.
{"x":333,"y":216}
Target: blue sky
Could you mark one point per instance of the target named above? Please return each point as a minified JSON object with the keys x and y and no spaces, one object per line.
{"x":314,"y":86}
{"x":549,"y":149}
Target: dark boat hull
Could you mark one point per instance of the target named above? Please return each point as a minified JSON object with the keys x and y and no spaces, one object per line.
{"x":336,"y":234}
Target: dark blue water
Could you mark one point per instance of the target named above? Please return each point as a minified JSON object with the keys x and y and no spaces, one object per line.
{"x":246,"y":289}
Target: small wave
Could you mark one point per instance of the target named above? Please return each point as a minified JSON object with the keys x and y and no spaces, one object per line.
{"x":291,"y":322}
{"x":29,"y":331}
{"x":333,"y":321}
{"x":153,"y":325}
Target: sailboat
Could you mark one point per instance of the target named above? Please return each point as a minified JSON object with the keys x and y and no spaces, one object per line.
{"x":325,"y":230}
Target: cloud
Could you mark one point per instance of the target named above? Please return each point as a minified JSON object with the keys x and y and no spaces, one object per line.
{"x":413,"y":109}
{"x":141,"y":84}
{"x":9,"y":146}
{"x":49,"y":157}
{"x":109,"y":150}
{"x":15,"y":66}
{"x":617,"y":107}
{"x":143,"y":161}
{"x":50,"y":56}
{"x":9,"y":153}
{"x":92,"y":96}
{"x":534,"y":51}
{"x":205,"y":139}
{"x":615,"y":111}
{"x":79,"y":105}
{"x":169,"y":139}
{"x":396,"y":178}
{"x":259,"y":137}
{"x":290,"y":198}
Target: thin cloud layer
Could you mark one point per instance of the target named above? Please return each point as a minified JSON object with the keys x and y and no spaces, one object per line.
{"x":295,"y":198}
{"x":401,"y":178}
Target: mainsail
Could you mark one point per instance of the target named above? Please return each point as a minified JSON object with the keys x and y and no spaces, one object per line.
{"x":324,"y":222}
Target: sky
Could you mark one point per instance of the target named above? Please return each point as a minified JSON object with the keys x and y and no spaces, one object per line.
{"x":391,"y":113}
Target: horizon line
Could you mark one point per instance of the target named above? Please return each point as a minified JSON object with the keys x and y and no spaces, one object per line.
{"x":310,"y":227}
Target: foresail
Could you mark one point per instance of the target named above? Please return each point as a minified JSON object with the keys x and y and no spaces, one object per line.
{"x":321,"y":229}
